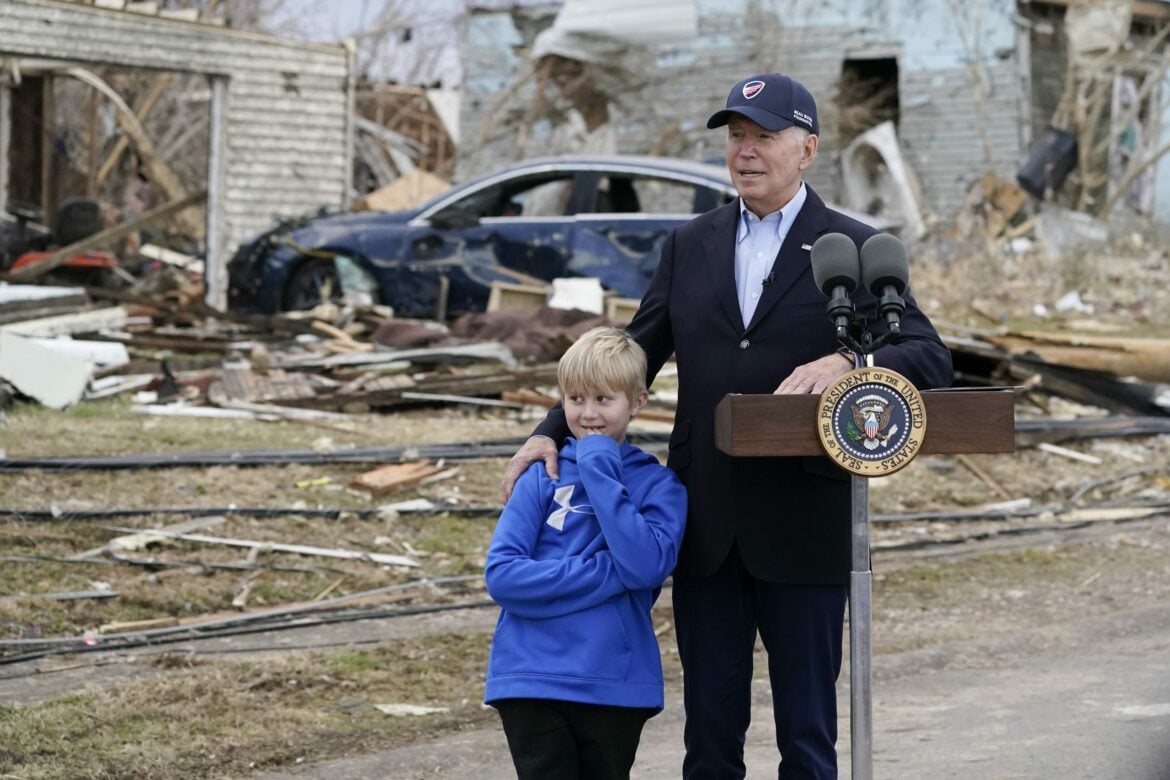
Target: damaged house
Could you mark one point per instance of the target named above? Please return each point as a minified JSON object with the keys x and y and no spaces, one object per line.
{"x":271,"y":119}
{"x":919,"y":99}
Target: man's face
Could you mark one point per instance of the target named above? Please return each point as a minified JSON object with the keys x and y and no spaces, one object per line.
{"x":766,"y":165}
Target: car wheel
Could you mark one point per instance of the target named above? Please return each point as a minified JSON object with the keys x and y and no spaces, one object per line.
{"x":312,"y":283}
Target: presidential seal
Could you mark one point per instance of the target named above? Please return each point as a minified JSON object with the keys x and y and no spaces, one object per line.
{"x":871,"y":422}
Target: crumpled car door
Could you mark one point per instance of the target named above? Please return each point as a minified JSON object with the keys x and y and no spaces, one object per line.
{"x":453,"y":268}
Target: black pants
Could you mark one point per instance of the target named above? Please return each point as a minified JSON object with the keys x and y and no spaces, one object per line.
{"x":565,"y":740}
{"x":716,"y":619}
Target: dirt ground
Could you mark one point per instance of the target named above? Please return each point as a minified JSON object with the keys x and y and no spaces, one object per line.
{"x":1089,"y":539}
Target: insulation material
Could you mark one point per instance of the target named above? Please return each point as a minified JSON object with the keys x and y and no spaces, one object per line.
{"x":53,"y":378}
{"x":603,"y":31}
{"x":446,"y":103}
{"x":878,"y":181}
{"x":583,"y":294}
{"x":1097,"y":27}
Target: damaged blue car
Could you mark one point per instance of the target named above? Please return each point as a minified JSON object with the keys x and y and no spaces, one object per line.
{"x":596,"y":216}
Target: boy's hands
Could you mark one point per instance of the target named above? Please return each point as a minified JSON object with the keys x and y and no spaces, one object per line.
{"x":536,"y":448}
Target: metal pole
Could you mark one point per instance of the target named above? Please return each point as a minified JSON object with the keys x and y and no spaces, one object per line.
{"x":215,"y":265}
{"x":5,"y":138}
{"x":860,"y":675}
{"x":860,"y":648}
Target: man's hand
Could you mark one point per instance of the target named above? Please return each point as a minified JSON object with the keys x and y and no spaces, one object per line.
{"x":814,"y":377}
{"x":536,"y":448}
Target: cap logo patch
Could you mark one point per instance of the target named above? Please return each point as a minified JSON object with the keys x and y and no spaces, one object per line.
{"x":752,"y":88}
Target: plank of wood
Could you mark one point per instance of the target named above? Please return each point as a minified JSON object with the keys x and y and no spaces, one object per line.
{"x":528,"y":397}
{"x":143,"y":537}
{"x":299,"y":549}
{"x":1146,"y":358}
{"x":121,"y":626}
{"x":72,"y":595}
{"x":987,"y":479}
{"x":387,"y":479}
{"x":1065,"y":452}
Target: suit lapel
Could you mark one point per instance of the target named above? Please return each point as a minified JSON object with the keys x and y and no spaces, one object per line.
{"x":793,"y":260}
{"x":719,"y":247}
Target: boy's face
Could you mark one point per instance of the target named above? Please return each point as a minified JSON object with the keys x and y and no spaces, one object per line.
{"x":604,"y":413}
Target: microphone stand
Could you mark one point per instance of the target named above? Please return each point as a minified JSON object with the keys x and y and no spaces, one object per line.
{"x":861,"y":581}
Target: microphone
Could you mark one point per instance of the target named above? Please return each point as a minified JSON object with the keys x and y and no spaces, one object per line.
{"x":769,"y":278}
{"x":885,"y":270}
{"x":836,"y":268}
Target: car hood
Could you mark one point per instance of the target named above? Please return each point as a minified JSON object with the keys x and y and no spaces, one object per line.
{"x":353,"y":231}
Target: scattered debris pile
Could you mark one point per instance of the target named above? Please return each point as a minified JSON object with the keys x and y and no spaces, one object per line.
{"x":62,"y":345}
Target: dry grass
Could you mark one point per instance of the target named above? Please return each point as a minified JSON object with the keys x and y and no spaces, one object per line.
{"x":444,"y":546}
{"x":203,"y":720}
{"x":109,"y":427}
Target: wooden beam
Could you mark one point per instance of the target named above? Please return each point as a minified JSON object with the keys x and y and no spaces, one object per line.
{"x":296,"y":549}
{"x":141,"y":111}
{"x":388,"y":479}
{"x":58,"y":258}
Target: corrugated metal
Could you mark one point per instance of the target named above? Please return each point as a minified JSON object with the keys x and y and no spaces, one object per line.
{"x":286,"y":118}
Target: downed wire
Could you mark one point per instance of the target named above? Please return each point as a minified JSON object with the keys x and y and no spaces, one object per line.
{"x":492,"y":448}
{"x":289,"y":617}
{"x":155,"y":564}
{"x":74,"y":645}
{"x":44,"y":515}
{"x":1028,"y":432}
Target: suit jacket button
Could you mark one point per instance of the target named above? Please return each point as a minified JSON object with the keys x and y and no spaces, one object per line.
{"x":744,"y":344}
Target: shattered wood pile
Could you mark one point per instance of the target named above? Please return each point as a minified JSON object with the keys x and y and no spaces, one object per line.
{"x":60,"y":346}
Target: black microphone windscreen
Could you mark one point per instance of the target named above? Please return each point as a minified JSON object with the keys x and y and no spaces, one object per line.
{"x":884,"y":263}
{"x":835,"y":263}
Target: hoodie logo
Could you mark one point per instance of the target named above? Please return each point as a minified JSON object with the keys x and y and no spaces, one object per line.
{"x":563,"y":498}
{"x":752,"y":88}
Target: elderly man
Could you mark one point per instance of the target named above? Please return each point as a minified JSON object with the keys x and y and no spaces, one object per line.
{"x":767,"y":544}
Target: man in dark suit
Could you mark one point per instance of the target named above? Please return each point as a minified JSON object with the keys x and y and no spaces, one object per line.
{"x":767,"y":544}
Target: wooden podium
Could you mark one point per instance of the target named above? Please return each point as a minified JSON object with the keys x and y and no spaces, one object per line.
{"x":959,"y":421}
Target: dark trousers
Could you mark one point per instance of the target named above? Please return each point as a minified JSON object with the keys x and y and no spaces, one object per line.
{"x":564,"y":740}
{"x":716,"y":620}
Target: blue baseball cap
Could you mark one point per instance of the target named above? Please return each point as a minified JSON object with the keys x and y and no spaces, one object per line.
{"x":773,"y":101}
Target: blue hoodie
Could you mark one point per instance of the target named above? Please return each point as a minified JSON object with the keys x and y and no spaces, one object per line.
{"x":575,"y":565}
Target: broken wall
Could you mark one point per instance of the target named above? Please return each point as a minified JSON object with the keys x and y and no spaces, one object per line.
{"x":281,"y":115}
{"x":962,"y":87}
{"x":1099,"y":71}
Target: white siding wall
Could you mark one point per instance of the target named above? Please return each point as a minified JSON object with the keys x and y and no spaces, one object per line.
{"x":286,"y":133}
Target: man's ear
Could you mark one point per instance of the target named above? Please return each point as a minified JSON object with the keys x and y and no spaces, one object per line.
{"x":808,"y":152}
{"x":640,"y":401}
